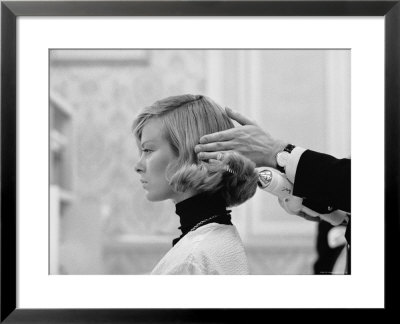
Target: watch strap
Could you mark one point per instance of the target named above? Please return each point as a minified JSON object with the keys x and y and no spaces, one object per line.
{"x":288,"y":148}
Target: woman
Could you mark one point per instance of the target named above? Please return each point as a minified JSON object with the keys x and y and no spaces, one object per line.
{"x":167,"y":133}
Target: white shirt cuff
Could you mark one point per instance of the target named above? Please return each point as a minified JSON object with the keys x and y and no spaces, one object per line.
{"x":294,"y":159}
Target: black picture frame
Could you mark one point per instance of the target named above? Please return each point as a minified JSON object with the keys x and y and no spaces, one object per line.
{"x":11,"y":10}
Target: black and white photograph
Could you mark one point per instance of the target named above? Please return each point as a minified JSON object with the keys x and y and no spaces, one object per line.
{"x":199,"y":161}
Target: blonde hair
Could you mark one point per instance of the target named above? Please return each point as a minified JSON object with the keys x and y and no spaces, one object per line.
{"x":185,"y":119}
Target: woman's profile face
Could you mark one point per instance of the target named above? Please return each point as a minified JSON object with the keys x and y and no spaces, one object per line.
{"x":155,"y":156}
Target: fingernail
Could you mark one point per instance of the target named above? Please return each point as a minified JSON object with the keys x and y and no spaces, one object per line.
{"x":200,"y":155}
{"x":197,"y":148}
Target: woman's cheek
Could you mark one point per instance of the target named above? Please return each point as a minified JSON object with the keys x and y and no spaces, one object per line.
{"x":160,"y":161}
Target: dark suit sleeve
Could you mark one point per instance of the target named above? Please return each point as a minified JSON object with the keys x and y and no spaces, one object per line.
{"x":323,"y":181}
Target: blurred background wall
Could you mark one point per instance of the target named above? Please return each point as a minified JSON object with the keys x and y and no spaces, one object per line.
{"x":100,"y":220}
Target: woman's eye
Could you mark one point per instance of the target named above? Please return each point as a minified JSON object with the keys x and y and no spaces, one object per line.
{"x":146,"y":151}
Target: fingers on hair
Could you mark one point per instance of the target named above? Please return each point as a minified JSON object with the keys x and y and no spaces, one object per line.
{"x":238,"y":117}
{"x":221,"y":136}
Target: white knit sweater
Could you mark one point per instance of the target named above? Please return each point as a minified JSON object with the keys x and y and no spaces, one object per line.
{"x":212,"y":249}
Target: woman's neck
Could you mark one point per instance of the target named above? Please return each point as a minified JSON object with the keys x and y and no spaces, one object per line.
{"x":183,"y":196}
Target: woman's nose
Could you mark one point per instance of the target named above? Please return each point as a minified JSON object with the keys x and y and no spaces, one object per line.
{"x":139,"y":166}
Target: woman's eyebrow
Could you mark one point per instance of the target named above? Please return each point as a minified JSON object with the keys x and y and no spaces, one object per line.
{"x":146,"y":142}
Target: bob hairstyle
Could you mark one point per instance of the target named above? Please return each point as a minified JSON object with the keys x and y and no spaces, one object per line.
{"x":185,"y":119}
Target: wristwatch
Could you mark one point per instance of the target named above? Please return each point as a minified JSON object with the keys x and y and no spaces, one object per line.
{"x":282,"y":158}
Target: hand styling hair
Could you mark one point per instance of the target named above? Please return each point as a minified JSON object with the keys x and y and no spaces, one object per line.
{"x":185,"y":120}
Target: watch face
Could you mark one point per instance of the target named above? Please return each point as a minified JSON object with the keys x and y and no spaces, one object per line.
{"x":282,"y":158}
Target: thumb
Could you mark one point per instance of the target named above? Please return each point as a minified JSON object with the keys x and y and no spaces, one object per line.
{"x":242,"y":120}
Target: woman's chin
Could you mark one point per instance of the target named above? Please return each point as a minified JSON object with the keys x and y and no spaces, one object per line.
{"x":153,"y":197}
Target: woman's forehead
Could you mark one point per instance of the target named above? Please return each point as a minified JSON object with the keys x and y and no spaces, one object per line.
{"x":153,"y":131}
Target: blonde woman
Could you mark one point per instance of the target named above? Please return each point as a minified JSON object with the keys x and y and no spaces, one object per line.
{"x":166,"y":134}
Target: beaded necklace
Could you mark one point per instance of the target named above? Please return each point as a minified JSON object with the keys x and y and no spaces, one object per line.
{"x":202,"y":222}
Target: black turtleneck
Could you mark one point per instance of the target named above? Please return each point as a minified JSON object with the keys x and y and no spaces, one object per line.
{"x":195,"y":209}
